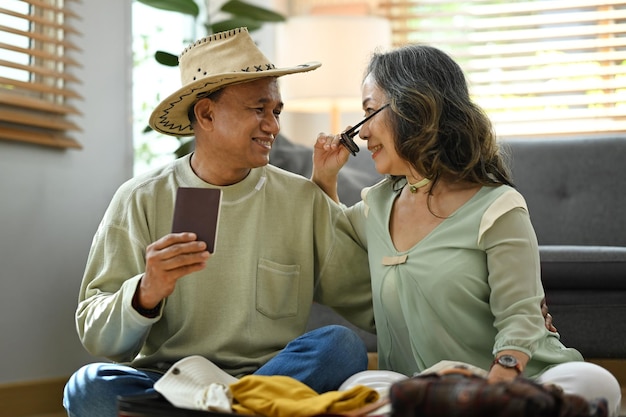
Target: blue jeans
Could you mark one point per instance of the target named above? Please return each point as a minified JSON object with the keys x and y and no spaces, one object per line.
{"x":322,"y":359}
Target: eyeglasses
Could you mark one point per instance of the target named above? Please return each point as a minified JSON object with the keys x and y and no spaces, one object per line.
{"x":346,"y":137}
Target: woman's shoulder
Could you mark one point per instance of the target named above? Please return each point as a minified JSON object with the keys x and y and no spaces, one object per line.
{"x":504,"y":196}
{"x":382,"y":188}
{"x":502,"y":200}
{"x":379,"y":192}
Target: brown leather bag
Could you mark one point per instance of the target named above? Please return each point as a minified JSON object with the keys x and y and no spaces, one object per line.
{"x":459,"y":393}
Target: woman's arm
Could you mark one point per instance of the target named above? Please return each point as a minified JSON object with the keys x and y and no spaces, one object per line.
{"x":514,"y":277}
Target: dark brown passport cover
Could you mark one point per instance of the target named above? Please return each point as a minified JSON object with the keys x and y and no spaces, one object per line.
{"x":197,"y":210}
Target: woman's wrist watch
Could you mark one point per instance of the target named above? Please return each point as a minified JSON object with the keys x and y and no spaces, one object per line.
{"x":508,"y":361}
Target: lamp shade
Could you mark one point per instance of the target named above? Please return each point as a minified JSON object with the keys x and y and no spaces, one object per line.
{"x":343,"y":44}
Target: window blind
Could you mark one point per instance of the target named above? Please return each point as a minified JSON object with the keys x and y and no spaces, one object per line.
{"x":36,"y":80}
{"x":539,"y":68}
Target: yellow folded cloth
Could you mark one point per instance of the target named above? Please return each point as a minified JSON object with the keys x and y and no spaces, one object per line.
{"x":283,"y":396}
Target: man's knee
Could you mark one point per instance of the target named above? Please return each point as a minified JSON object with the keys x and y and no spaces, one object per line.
{"x":81,"y":388}
{"x":343,"y":336}
{"x":81,"y":381}
{"x":93,"y":389}
{"x":344,"y":346}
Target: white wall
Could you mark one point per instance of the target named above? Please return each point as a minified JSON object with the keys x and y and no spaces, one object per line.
{"x":51,"y":202}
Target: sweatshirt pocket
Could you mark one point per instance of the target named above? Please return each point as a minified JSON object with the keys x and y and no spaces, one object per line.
{"x":277,"y":289}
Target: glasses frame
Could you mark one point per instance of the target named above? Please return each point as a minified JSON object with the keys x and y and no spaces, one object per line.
{"x":346,"y":137}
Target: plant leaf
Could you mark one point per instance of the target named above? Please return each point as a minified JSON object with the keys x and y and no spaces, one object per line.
{"x":187,"y":145}
{"x":233,"y":23}
{"x":181,"y":6}
{"x":242,"y":9}
{"x":166,"y":58}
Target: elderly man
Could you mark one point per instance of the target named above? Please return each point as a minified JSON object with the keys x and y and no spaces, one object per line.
{"x":150,"y":297}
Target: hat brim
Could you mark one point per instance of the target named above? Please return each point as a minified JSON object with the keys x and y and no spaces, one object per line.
{"x":188,"y":377}
{"x":170,"y":116}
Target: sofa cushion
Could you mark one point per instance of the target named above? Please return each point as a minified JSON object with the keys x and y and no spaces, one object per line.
{"x":583,"y":267}
{"x":574,"y":187}
{"x":595,"y":325}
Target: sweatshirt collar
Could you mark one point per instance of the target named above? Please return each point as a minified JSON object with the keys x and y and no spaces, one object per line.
{"x":253,"y":182}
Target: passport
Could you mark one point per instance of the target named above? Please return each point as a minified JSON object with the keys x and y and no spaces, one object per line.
{"x":197,"y":210}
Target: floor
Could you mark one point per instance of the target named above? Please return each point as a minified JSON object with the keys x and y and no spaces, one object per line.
{"x":50,"y":415}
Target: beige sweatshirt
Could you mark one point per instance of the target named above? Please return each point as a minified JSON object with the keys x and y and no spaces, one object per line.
{"x":281,"y":245}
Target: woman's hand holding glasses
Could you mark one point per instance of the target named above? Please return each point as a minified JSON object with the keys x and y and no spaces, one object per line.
{"x":346,"y":137}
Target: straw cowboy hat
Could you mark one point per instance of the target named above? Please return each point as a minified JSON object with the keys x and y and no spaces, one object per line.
{"x":209,"y":64}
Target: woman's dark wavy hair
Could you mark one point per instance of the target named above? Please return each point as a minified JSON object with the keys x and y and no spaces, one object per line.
{"x":437,"y":127}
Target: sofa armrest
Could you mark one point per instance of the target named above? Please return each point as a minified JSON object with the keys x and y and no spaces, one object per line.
{"x":583,"y":267}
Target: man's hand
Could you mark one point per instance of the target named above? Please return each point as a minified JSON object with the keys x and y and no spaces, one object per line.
{"x":167,"y":260}
{"x":547,"y":316}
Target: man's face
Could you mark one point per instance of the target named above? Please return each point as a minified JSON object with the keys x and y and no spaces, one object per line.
{"x":244,"y":123}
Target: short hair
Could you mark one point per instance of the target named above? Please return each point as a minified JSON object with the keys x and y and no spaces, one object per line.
{"x":213,"y":95}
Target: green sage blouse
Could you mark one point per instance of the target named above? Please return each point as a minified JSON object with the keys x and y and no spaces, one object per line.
{"x":469,"y":289}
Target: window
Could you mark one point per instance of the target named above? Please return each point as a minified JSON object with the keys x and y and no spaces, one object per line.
{"x":153,"y":30}
{"x":539,"y":68}
{"x":35,"y":72}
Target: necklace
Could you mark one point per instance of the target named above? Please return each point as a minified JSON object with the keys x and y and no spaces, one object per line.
{"x":414,"y":187}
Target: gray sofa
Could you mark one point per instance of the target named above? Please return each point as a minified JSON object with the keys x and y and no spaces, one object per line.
{"x":575,"y":189}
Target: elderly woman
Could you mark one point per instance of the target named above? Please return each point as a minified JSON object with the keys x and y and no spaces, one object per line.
{"x":453,"y":255}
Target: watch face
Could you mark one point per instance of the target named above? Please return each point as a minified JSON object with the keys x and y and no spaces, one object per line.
{"x":507,"y":360}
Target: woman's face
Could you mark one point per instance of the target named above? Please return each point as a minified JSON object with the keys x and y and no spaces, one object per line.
{"x":378,"y":132}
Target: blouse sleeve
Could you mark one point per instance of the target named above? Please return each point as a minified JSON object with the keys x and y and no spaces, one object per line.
{"x":509,"y":240}
{"x":358,"y":216}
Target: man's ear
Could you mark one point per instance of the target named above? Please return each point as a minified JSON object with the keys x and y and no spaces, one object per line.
{"x":203,"y":112}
